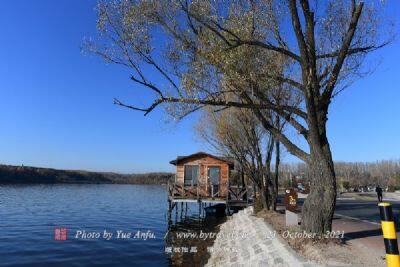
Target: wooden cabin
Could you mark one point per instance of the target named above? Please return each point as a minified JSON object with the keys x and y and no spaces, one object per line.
{"x":201,"y":176}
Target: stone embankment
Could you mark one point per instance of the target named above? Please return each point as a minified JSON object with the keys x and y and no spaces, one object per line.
{"x":246,"y":240}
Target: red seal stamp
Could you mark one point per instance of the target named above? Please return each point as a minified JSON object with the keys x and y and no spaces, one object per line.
{"x":60,"y":234}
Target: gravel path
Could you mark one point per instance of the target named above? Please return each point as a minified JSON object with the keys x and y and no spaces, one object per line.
{"x":245,"y":240}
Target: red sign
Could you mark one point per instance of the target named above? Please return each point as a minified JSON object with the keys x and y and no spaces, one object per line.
{"x":60,"y":234}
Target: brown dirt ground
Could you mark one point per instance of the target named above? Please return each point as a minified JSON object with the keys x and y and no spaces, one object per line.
{"x":330,"y":251}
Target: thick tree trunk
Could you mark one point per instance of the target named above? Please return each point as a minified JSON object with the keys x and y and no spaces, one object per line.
{"x":265,"y":197}
{"x":318,"y":209}
{"x":276,"y":176}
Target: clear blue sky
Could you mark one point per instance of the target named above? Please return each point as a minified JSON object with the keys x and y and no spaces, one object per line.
{"x":56,"y":103}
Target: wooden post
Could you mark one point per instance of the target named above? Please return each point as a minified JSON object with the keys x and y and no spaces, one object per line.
{"x":199,"y":209}
{"x":182,"y":209}
{"x":169,"y":211}
{"x":176,"y":212}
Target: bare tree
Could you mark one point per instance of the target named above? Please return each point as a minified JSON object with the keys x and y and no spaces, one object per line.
{"x":198,"y":48}
{"x":238,"y":133}
{"x":362,"y":174}
{"x":354,"y":175}
{"x":275,"y":182}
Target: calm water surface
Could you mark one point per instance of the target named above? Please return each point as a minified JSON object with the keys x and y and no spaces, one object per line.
{"x":30,"y":213}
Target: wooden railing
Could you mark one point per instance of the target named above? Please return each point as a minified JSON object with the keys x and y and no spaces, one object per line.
{"x":236,"y":192}
{"x":211,"y":191}
{"x":186,"y":191}
{"x":193,"y":191}
{"x":214,"y":191}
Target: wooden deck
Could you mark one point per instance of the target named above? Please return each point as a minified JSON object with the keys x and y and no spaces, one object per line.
{"x":236,"y":196}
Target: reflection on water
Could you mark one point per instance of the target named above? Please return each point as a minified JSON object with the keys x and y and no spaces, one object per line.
{"x":30,"y":213}
{"x":187,"y":230}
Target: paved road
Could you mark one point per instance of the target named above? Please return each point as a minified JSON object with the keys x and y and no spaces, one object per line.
{"x":363,"y":229}
{"x":363,"y":210}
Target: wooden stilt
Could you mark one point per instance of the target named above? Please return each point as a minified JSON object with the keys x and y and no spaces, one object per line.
{"x":186,"y":209}
{"x":169,"y":211}
{"x":181,"y":211}
{"x":176,"y":213}
{"x":199,"y":209}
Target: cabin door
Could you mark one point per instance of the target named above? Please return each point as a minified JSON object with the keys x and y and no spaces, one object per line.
{"x":214,"y":174}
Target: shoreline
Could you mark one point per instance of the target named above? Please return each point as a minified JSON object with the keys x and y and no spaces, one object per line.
{"x":255,"y":244}
{"x":10,"y":174}
{"x":76,"y":183}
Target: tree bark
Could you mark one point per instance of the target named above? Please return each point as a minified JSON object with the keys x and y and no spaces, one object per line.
{"x":276,"y":176}
{"x":318,"y":208}
{"x":265,"y":197}
{"x":243,"y":183}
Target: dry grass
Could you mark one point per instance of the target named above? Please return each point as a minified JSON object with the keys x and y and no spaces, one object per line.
{"x":332,"y":251}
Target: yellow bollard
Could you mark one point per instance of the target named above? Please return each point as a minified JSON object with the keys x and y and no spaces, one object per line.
{"x":389,"y":235}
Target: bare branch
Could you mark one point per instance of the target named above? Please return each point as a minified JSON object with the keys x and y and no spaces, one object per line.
{"x":356,"y":50}
{"x":148,"y":85}
{"x":299,"y":33}
{"x":268,"y":46}
{"x":146,"y":110}
{"x":342,"y":54}
{"x":291,"y":147}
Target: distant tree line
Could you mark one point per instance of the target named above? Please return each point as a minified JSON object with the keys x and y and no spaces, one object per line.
{"x":353,"y":175}
{"x":22,"y":175}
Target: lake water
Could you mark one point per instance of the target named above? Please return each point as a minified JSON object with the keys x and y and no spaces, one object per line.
{"x":29,"y":215}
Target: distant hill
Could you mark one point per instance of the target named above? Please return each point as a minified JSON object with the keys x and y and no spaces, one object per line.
{"x":22,"y":174}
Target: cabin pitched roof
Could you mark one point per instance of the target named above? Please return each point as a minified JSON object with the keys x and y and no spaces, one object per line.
{"x":228,"y":160}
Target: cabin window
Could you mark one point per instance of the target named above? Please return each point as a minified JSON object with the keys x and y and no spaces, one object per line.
{"x":214,"y":175}
{"x":191,"y":174}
